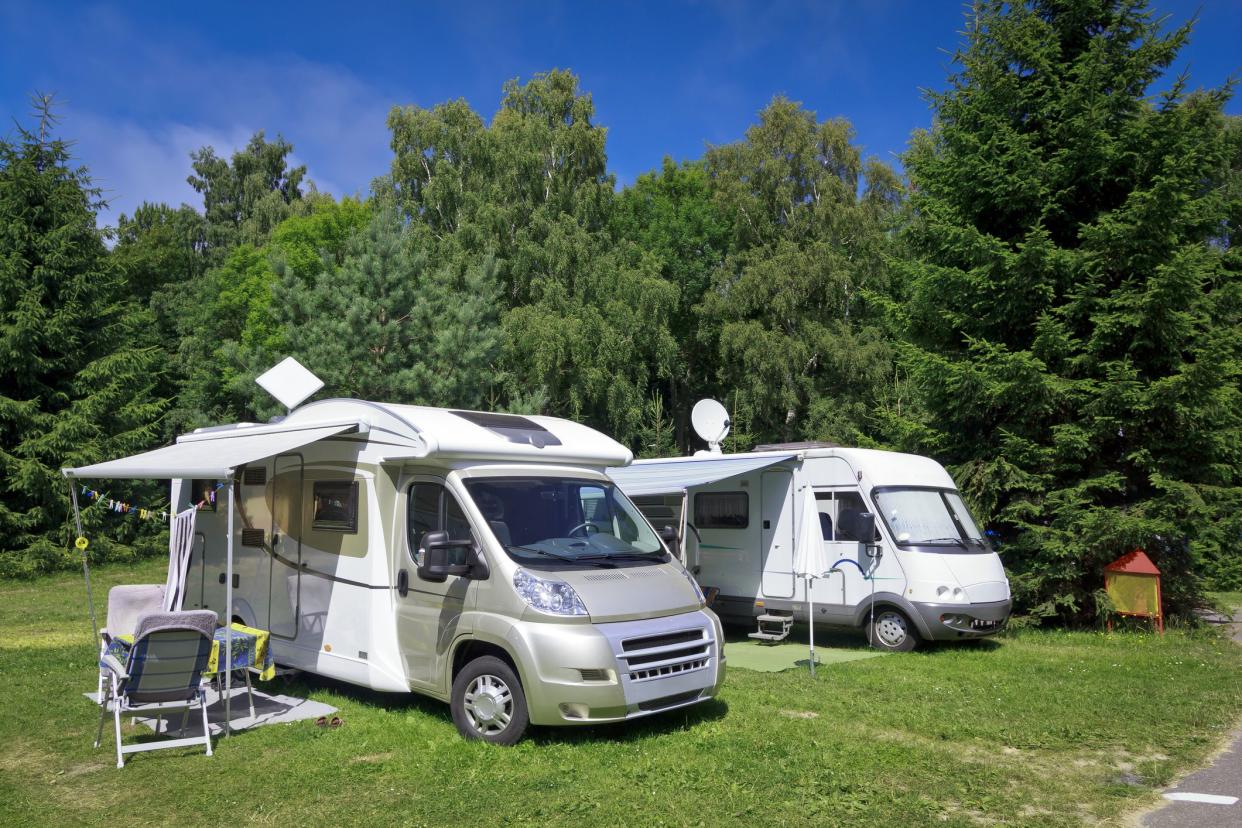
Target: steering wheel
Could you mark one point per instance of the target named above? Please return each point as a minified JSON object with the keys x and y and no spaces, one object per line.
{"x":586,"y":529}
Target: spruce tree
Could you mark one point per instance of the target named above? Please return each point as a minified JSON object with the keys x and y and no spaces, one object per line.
{"x":75,"y":388}
{"x":1073,"y":311}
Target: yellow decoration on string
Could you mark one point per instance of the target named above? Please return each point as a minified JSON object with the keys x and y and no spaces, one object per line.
{"x":81,"y":543}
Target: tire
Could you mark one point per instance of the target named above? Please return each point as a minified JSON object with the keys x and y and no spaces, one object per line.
{"x":891,"y":630}
{"x":488,"y":702}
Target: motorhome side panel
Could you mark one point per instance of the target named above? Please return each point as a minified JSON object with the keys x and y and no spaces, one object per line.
{"x":727,"y":518}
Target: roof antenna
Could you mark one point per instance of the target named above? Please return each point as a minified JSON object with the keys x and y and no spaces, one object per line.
{"x":711,"y":422}
{"x":289,"y":382}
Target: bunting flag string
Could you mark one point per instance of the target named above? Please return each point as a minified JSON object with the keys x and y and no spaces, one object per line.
{"x":143,"y":512}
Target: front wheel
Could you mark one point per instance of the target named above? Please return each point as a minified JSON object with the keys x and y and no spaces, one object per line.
{"x":488,"y":702}
{"x":892,"y":630}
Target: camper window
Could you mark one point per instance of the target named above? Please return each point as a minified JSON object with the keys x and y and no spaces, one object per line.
{"x":433,"y":508}
{"x":336,"y":506}
{"x":838,"y":515}
{"x":721,"y":510}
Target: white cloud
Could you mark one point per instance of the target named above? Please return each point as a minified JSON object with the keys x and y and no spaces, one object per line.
{"x":137,"y":109}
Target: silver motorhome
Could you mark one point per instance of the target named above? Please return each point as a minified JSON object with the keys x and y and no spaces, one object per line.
{"x":482,"y":559}
{"x":921,"y":569}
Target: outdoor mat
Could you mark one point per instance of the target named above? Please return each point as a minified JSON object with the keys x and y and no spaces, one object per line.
{"x":772,"y":658}
{"x":269,"y":708}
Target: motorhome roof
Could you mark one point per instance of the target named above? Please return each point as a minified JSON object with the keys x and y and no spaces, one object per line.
{"x":423,"y":431}
{"x":882,"y":468}
{"x":393,"y":432}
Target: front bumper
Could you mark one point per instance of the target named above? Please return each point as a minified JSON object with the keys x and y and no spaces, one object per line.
{"x":953,"y":622}
{"x":613,"y":672}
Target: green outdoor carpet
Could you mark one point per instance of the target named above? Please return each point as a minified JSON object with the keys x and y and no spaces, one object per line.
{"x":772,"y":658}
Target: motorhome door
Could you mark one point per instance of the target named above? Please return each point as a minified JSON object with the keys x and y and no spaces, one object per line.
{"x":847,"y":585}
{"x":777,"y":535}
{"x":428,"y":611}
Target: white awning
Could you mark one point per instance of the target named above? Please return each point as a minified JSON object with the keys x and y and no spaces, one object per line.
{"x":671,"y":476}
{"x":208,"y":456}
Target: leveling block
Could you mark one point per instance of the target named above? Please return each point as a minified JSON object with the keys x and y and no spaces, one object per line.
{"x":769,"y":658}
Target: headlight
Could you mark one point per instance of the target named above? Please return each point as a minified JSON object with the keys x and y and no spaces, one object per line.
{"x":698,"y":590}
{"x":554,"y":597}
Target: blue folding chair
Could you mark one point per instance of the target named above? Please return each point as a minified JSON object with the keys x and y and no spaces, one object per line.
{"x":164,"y":673}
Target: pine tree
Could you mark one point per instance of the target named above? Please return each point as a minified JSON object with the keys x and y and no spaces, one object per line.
{"x":386,"y":326}
{"x":1074,"y":315}
{"x":74,"y":388}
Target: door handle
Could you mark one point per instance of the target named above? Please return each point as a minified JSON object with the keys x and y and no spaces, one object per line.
{"x":767,"y":524}
{"x":403,"y":583}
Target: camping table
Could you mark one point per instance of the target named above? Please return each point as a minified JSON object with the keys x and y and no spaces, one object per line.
{"x":251,"y":651}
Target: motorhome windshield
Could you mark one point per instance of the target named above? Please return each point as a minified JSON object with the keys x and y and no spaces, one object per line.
{"x":558,"y":521}
{"x":929,"y":517}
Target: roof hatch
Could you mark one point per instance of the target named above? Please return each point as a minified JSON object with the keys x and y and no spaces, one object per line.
{"x":512,"y":427}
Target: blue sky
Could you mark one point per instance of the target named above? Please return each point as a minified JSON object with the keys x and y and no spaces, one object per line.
{"x":141,"y":85}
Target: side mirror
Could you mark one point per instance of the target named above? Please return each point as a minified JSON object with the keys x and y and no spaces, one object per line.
{"x":865,"y":528}
{"x":443,"y":556}
{"x":669,"y":535}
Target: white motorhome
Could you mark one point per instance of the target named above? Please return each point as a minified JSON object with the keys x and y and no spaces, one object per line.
{"x":482,"y":559}
{"x":927,"y":572}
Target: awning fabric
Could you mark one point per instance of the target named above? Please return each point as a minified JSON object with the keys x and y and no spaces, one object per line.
{"x":671,"y":476}
{"x":207,"y":457}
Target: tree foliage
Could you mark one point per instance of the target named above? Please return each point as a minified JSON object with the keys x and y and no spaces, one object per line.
{"x":789,"y":309}
{"x":74,"y":388}
{"x":1073,"y":309}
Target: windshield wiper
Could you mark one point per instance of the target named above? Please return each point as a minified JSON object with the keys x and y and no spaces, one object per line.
{"x":622,"y":556}
{"x":939,"y":540}
{"x":566,"y":558}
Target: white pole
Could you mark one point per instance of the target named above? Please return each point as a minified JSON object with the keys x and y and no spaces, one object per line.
{"x":810,"y":615}
{"x":228,"y":620}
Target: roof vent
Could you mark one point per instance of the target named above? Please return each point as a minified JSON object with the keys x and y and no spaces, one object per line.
{"x":513,"y":428}
{"x":807,"y":444}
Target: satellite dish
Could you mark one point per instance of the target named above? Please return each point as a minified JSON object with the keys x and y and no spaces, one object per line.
{"x":289,"y":382}
{"x":711,"y":422}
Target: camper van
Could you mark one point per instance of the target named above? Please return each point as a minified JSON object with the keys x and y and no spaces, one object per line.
{"x":862,"y":538}
{"x":482,"y":559}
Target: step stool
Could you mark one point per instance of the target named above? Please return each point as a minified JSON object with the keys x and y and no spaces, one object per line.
{"x":773,"y":628}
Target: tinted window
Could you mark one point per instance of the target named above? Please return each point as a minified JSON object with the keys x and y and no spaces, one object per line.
{"x":433,"y":508}
{"x":563,"y":520}
{"x":336,"y":506}
{"x":722,"y":510}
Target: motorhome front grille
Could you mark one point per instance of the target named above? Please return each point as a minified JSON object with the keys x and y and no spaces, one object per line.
{"x":658,"y":656}
{"x":664,"y":640}
{"x":667,"y":670}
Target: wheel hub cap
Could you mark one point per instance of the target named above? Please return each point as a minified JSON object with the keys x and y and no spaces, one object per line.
{"x":489,"y":704}
{"x":891,"y":629}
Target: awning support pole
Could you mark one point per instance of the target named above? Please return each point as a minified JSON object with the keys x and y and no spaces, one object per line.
{"x":228,"y":619}
{"x":86,"y":570}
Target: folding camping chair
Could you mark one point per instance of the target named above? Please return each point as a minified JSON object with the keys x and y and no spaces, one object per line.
{"x":164,"y":673}
{"x":126,"y":604}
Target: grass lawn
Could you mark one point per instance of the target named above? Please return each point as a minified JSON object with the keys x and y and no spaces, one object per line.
{"x":1037,"y":728}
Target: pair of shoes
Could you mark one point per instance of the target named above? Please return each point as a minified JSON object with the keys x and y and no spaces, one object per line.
{"x":324,"y":721}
